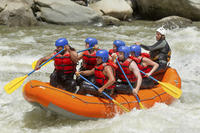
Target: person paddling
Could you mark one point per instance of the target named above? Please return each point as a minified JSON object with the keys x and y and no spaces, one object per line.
{"x":114,"y":51}
{"x":131,"y":70}
{"x":160,"y":52}
{"x":144,"y":64}
{"x":88,"y":58}
{"x":104,"y":73}
{"x":65,"y":66}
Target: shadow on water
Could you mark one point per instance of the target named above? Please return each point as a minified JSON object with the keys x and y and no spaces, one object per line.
{"x":38,"y":118}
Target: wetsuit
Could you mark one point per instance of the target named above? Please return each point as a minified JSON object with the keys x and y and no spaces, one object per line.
{"x":160,"y":52}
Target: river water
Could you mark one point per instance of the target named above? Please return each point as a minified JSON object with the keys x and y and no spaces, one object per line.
{"x":19,"y":47}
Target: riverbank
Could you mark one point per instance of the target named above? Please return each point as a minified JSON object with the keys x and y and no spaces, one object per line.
{"x":93,"y":12}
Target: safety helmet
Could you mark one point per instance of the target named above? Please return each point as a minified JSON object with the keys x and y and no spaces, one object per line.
{"x":61,"y":42}
{"x":119,"y":43}
{"x":125,"y":50}
{"x":87,"y":40}
{"x":136,"y":49}
{"x":103,"y":54}
{"x":162,"y":31}
{"x":91,"y":41}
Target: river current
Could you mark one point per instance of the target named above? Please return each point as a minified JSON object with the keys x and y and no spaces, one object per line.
{"x":19,"y":47}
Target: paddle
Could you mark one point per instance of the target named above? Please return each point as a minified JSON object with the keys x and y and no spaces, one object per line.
{"x":17,"y":82}
{"x":141,"y":106}
{"x":169,"y":88}
{"x":121,"y":106}
{"x":35,"y":62}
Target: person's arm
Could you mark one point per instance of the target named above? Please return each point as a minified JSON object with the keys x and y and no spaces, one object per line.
{"x":114,"y":56}
{"x":156,"y":46}
{"x":73,"y":53}
{"x":43,"y":59}
{"x":86,"y":73}
{"x":80,"y":56}
{"x":149,"y":62}
{"x":108,"y":71}
{"x":134,"y":68}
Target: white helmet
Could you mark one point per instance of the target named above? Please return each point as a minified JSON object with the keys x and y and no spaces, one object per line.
{"x":162,"y":31}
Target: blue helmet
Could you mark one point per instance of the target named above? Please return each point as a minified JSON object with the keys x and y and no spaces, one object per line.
{"x":103,"y":54}
{"x":119,"y":43}
{"x":126,"y":51}
{"x":91,"y":41}
{"x":61,"y":42}
{"x":136,"y":49}
{"x":87,"y":40}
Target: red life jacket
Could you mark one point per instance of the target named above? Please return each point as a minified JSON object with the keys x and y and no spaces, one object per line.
{"x":100,"y":78}
{"x":138,"y":61}
{"x":125,"y":66}
{"x":111,"y":63}
{"x":145,"y":69}
{"x":89,"y":60}
{"x":111,"y":52}
{"x":64,"y":63}
{"x":145,"y":55}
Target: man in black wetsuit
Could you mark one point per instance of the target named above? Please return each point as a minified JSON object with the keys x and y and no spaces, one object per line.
{"x":160,"y":52}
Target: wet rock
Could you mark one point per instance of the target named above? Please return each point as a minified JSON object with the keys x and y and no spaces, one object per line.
{"x":2,"y":5}
{"x":16,"y":13}
{"x":116,"y":8}
{"x":173,"y":22}
{"x":65,"y":12}
{"x":92,"y":1}
{"x":81,"y":2}
{"x":130,"y":2}
{"x":108,"y":20}
{"x":157,"y":9}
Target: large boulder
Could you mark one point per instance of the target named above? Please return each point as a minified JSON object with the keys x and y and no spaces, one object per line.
{"x":2,"y":5}
{"x":64,"y":12}
{"x":116,"y":8}
{"x":16,"y":13}
{"x":157,"y":9}
{"x":173,"y":22}
{"x":108,"y":20}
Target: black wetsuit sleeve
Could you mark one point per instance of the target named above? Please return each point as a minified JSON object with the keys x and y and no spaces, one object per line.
{"x":156,"y":46}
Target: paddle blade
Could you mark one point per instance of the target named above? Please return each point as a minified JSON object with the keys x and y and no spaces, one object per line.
{"x":35,"y":62}
{"x":121,"y":106}
{"x":141,"y":106}
{"x":14,"y":84}
{"x":171,"y":89}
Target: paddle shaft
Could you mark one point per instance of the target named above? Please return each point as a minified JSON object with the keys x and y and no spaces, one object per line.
{"x":14,"y":84}
{"x":124,"y":108}
{"x":169,"y":88}
{"x":149,"y":76}
{"x":85,"y":50}
{"x":127,"y":80}
{"x":46,"y":61}
{"x":95,"y":86}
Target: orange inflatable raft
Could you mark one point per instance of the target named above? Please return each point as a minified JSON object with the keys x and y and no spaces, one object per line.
{"x":82,"y":107}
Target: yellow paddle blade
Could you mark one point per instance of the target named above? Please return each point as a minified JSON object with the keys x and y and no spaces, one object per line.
{"x":171,"y":89}
{"x":121,"y":106}
{"x":35,"y":62}
{"x":141,"y":106}
{"x":14,"y":84}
